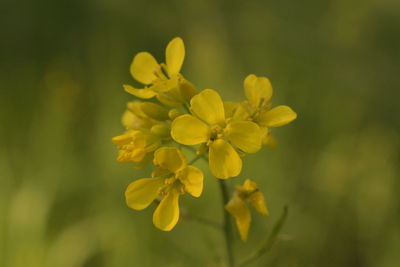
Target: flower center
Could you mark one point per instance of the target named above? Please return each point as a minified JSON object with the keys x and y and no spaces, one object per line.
{"x":217,"y":132}
{"x":172,"y":182}
{"x":161,"y":73}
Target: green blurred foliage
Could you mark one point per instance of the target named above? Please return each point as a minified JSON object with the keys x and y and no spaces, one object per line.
{"x":335,"y":62}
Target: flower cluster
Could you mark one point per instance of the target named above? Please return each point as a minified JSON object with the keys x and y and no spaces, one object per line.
{"x":171,"y":114}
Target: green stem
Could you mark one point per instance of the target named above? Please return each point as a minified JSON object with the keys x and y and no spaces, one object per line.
{"x":270,"y":240}
{"x":227,"y":223}
{"x":197,"y":157}
{"x":227,"y":227}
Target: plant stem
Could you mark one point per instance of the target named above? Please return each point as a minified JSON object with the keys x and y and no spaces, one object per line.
{"x":227,"y":227}
{"x":195,"y":159}
{"x":227,"y":223}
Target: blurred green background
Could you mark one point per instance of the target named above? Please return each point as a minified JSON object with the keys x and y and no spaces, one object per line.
{"x":335,"y":62}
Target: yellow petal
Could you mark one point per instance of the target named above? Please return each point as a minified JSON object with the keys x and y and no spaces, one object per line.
{"x":170,"y":158}
{"x":166,"y":215}
{"x":208,"y":106}
{"x":123,"y":139}
{"x":141,"y":93}
{"x":189,"y":130}
{"x":224,"y":161}
{"x":258,"y":202}
{"x":154,"y":111}
{"x":238,"y":209}
{"x":257,"y":89}
{"x":175,"y":54}
{"x":143,"y":68}
{"x":192,"y":178}
{"x":277,"y":116}
{"x":245,"y":135}
{"x":142,"y":192}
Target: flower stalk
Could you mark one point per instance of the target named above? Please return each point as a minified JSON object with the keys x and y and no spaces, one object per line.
{"x":227,"y":223}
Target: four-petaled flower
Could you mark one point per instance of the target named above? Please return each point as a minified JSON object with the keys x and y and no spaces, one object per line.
{"x":162,"y":80}
{"x":258,"y":91}
{"x":239,"y":210}
{"x":222,"y":137}
{"x":137,"y":146}
{"x":172,"y":179}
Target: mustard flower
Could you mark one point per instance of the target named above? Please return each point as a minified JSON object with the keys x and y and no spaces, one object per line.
{"x":162,"y":80}
{"x":172,"y":179}
{"x":238,"y":209}
{"x":134,"y":145}
{"x":148,"y":127}
{"x":222,"y":138}
{"x":258,"y":91}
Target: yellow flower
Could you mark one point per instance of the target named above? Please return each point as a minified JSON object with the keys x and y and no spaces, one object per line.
{"x":148,"y":127}
{"x":162,"y":80}
{"x":239,"y":210}
{"x":134,"y":145}
{"x":172,"y":179}
{"x":209,"y":127}
{"x":258,"y":91}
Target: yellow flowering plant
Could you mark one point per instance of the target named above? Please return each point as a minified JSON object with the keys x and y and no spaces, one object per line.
{"x":172,"y":178}
{"x":169,"y":114}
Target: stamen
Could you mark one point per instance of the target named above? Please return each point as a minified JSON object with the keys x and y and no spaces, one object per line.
{"x":160,"y":74}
